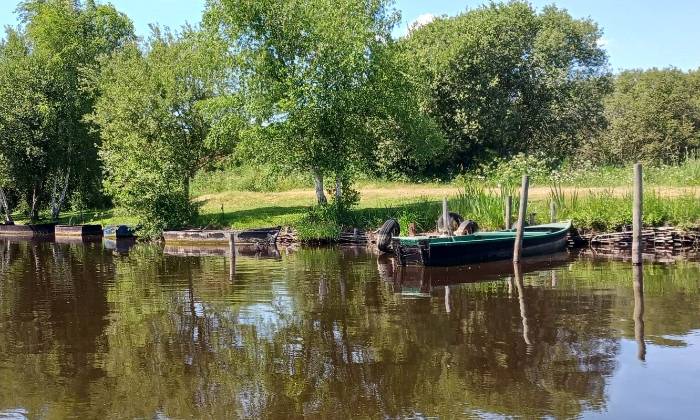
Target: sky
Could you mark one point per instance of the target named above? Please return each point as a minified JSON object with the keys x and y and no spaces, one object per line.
{"x":636,"y":33}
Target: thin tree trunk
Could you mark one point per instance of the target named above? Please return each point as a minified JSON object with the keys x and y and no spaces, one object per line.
{"x":58,"y":200}
{"x":318,"y":183}
{"x":33,"y":206}
{"x":338,"y":188}
{"x":6,"y":206}
{"x":186,"y":186}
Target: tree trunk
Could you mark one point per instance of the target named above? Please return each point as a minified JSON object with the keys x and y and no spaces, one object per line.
{"x":318,"y":183}
{"x":338,"y":188}
{"x":34,"y":205}
{"x":58,"y":200}
{"x":186,"y":186}
{"x":6,"y":206}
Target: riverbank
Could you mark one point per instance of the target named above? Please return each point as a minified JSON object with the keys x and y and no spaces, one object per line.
{"x":591,"y":209}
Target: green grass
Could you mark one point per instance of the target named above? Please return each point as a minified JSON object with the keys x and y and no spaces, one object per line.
{"x":595,"y":199}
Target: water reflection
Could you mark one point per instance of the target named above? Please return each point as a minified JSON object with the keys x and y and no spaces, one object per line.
{"x":87,"y":332}
{"x":638,"y":289}
{"x":523,"y":308}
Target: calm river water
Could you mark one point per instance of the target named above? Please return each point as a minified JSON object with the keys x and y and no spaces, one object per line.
{"x":100,"y":331}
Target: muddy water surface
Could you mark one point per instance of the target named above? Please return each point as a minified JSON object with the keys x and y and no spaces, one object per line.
{"x":106,"y":330}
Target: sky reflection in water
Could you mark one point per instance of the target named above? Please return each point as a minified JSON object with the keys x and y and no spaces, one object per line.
{"x":92,"y":332}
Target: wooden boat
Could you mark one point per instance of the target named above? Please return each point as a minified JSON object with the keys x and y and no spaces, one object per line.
{"x":480,"y":247}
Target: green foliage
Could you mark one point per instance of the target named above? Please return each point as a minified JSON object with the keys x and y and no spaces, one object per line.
{"x":507,"y":172}
{"x":484,"y":206}
{"x":156,"y":128}
{"x":503,"y":79}
{"x":161,"y":210}
{"x":325,"y":98}
{"x":45,"y":94}
{"x":324,"y":222}
{"x":653,"y":116}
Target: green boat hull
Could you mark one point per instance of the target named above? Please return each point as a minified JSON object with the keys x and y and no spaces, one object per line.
{"x":481,"y":247}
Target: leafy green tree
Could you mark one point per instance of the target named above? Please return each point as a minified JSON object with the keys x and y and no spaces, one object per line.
{"x":653,"y":116}
{"x":28,"y":120}
{"x":156,"y":126}
{"x":47,"y":143}
{"x":315,"y":87}
{"x":503,"y":79}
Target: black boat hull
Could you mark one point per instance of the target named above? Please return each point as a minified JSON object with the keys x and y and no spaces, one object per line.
{"x":461,"y":253}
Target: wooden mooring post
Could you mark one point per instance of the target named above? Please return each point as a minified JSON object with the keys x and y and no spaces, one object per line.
{"x":637,"y":209}
{"x":509,"y":212}
{"x":552,"y":212}
{"x":520,"y":224}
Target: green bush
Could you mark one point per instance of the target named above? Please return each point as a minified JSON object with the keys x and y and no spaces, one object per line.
{"x":164,"y":211}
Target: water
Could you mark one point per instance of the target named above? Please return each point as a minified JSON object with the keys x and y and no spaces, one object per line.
{"x":88,"y":331}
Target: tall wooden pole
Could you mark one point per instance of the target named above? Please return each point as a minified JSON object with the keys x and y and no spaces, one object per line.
{"x":517,"y":250}
{"x":509,"y":212}
{"x":446,"y":217}
{"x":637,"y":210}
{"x":552,"y":212}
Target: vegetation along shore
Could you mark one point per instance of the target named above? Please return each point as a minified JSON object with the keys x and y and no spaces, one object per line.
{"x":243,"y":122}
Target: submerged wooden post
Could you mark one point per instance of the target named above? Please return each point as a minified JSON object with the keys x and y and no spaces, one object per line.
{"x":517,"y":250}
{"x":446,"y":217}
{"x":637,"y":215}
{"x":232,"y":255}
{"x":552,"y":212}
{"x":509,"y":212}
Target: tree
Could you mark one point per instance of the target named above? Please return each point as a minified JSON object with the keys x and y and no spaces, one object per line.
{"x":28,"y":121}
{"x":156,"y":128}
{"x":503,"y":79}
{"x":311,"y":72}
{"x":653,"y":116}
{"x":48,"y":143}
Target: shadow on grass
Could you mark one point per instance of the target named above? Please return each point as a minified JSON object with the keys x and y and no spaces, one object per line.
{"x":422,"y":213}
{"x":69,"y":217}
{"x":258,"y":217}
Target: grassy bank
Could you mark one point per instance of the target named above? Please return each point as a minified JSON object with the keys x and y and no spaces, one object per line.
{"x":595,"y":199}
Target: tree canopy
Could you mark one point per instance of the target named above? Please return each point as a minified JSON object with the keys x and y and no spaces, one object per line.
{"x":653,"y":116}
{"x":503,"y":79}
{"x":155,"y":126}
{"x":316,"y":82}
{"x":50,"y":149}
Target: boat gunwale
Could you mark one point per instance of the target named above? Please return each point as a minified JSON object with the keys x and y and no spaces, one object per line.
{"x":529,"y":232}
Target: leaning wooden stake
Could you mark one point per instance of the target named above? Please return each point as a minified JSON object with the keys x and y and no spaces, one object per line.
{"x":509,"y":212}
{"x":552,"y":212}
{"x":446,"y":217}
{"x":637,"y":216}
{"x":517,"y":250}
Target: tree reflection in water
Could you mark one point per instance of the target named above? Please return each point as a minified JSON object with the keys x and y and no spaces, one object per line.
{"x":326,"y":333}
